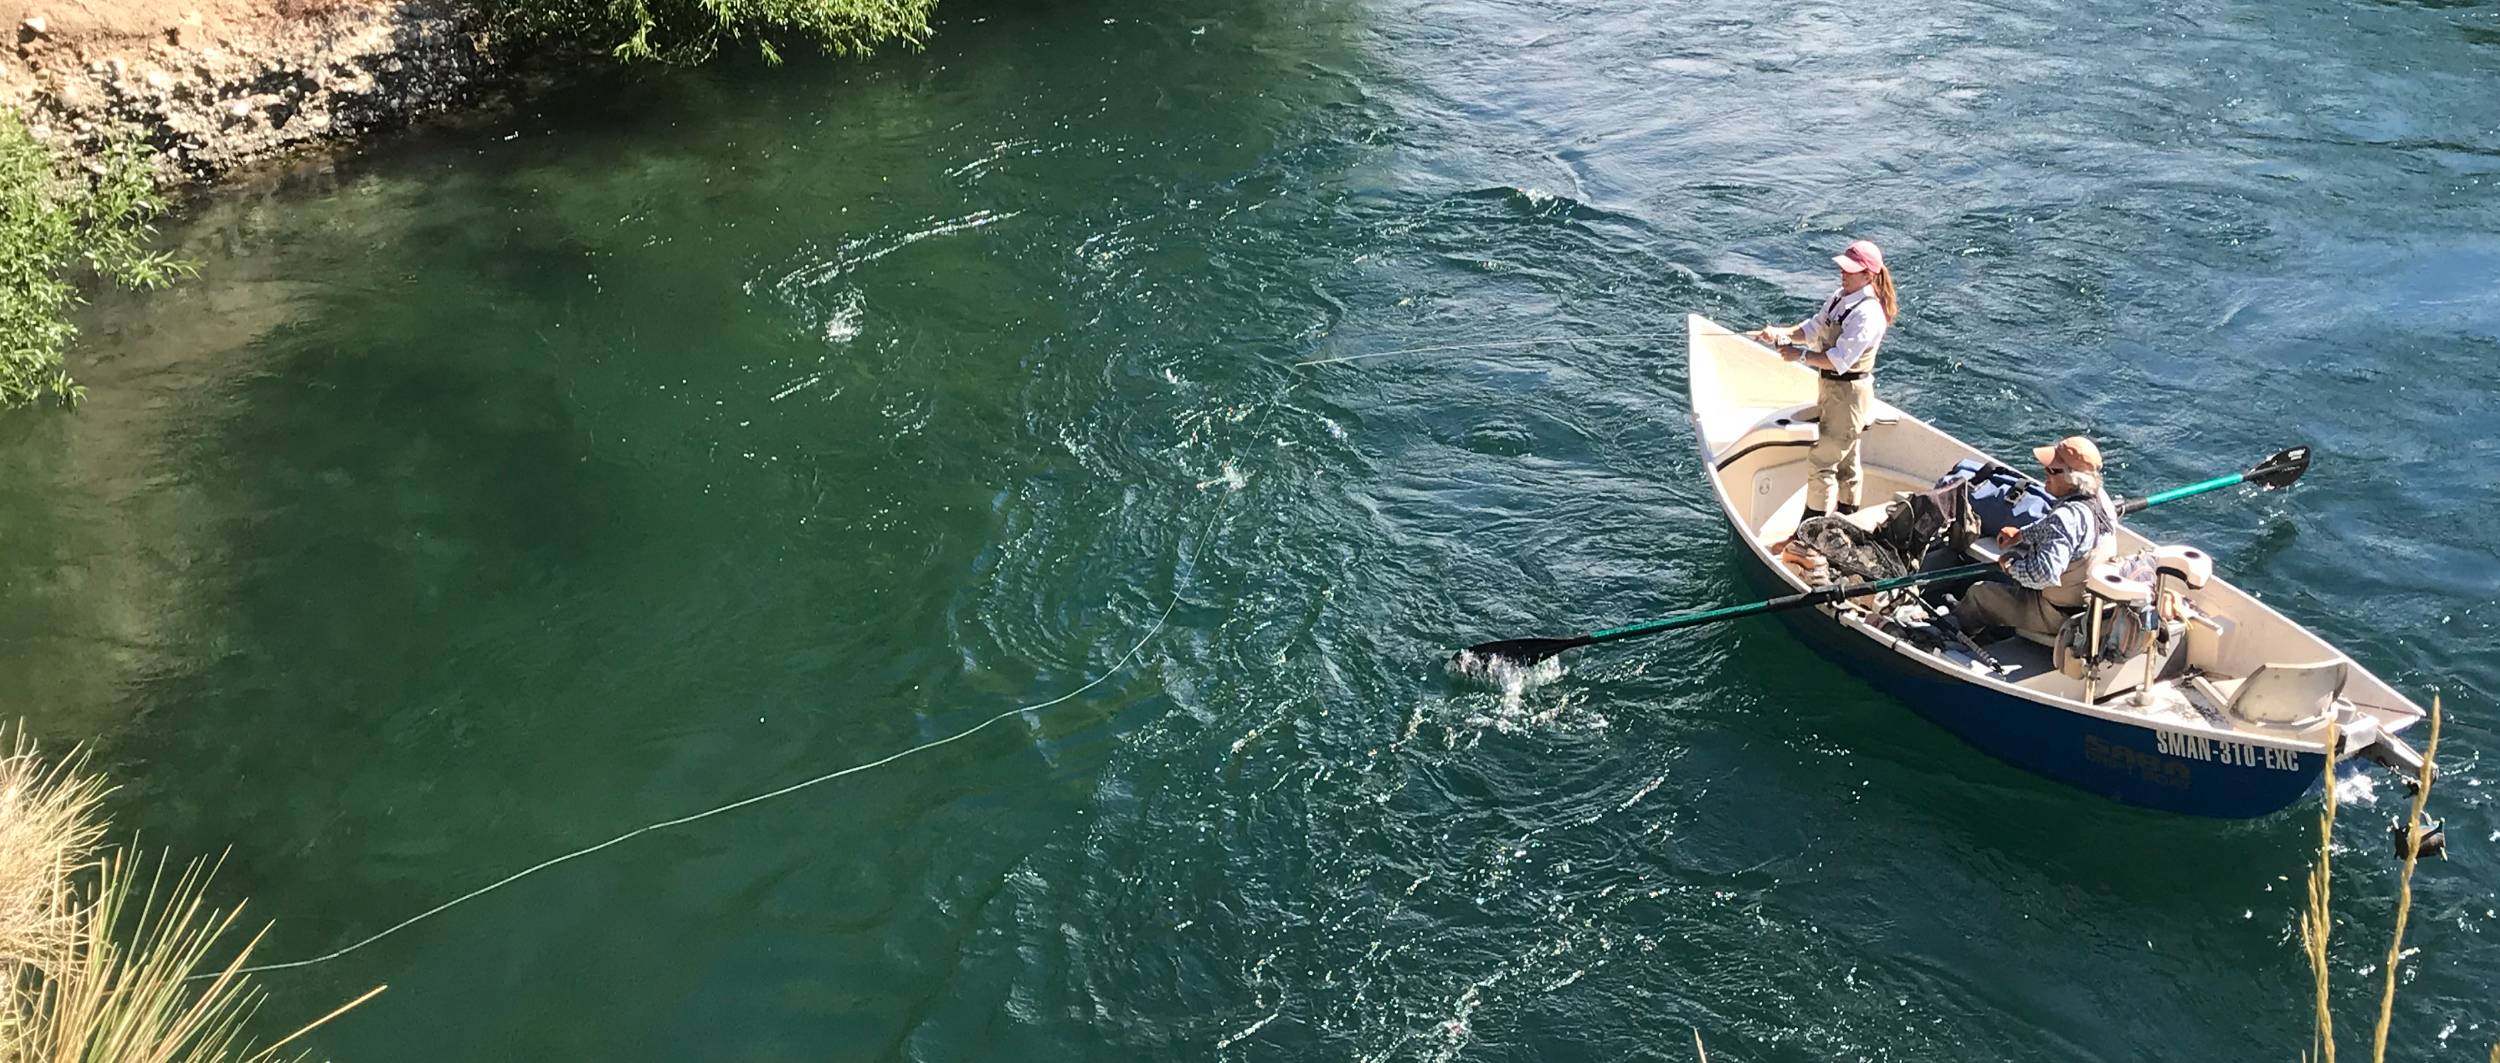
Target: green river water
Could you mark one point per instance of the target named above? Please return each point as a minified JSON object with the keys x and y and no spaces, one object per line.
{"x":504,"y":488}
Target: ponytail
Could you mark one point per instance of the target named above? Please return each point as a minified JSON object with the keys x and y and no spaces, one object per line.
{"x":1892,"y":300}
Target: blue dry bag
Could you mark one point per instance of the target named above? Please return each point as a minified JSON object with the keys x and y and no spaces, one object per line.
{"x":2000,"y":496}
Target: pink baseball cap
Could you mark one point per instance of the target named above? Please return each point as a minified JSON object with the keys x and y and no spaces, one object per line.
{"x":1861,"y":257}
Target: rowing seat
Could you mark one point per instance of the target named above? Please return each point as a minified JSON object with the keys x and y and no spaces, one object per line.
{"x":2110,"y":590}
{"x":2292,"y":697}
{"x":2106,"y":582}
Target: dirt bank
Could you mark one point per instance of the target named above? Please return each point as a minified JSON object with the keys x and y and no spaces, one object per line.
{"x":215,"y":84}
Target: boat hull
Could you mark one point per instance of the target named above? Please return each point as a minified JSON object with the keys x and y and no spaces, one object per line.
{"x":2138,"y":764}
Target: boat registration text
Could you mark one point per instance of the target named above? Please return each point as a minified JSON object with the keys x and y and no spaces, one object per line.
{"x":2223,"y":751}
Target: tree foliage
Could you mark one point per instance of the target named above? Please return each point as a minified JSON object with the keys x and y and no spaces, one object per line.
{"x":690,"y":31}
{"x":54,"y":223}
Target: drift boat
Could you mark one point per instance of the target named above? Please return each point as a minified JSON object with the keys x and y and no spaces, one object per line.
{"x":2227,"y":712}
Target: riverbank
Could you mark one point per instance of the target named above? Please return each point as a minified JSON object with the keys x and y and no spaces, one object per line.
{"x":215,"y":85}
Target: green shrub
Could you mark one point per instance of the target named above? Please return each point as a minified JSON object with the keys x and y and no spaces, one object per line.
{"x":52,"y":223}
{"x":690,"y":31}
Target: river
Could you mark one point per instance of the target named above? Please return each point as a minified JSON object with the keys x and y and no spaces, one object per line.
{"x":505,"y":487}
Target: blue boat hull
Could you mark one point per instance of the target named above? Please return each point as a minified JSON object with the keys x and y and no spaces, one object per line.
{"x":2137,"y":764}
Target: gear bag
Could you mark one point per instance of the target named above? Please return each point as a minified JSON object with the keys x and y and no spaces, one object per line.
{"x":1914,"y":523}
{"x":2001,"y":497}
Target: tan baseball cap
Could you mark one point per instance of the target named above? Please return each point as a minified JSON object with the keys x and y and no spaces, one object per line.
{"x":2072,"y":452}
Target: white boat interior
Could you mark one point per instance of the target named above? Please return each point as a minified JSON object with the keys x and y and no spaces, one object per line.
{"x":2226,"y":667}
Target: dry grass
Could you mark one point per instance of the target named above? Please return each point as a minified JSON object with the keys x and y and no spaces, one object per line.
{"x":2404,"y":889}
{"x":2315,"y":922}
{"x":2320,"y":918}
{"x":108,"y":960}
{"x":48,"y":832}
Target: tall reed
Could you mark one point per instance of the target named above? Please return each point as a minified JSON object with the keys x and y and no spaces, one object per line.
{"x":2315,"y":922}
{"x":110,"y":958}
{"x":2404,"y":889}
{"x":48,"y":830}
{"x":2319,"y":919}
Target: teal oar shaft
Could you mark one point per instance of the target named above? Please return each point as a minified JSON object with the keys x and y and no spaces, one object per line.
{"x":2273,"y":474}
{"x":1800,"y":600}
{"x":2177,"y":493}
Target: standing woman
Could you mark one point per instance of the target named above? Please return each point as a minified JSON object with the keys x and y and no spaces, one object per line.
{"x":1839,"y":341}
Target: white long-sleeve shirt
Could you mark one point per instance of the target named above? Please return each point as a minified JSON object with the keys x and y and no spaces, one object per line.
{"x":1843,"y":336}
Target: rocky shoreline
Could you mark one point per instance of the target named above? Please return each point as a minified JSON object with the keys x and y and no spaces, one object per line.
{"x":216,"y":87}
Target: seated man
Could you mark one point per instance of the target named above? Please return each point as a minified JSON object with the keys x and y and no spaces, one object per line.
{"x":2050,"y":558}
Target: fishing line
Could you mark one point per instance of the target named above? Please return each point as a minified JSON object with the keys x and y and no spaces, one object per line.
{"x":1161,"y":621}
{"x":1116,"y":668}
{"x":1499,"y":345}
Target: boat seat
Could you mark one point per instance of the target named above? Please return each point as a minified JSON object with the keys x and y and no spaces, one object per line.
{"x":2288,"y":696}
{"x":2186,"y":564}
{"x":2107,"y":585}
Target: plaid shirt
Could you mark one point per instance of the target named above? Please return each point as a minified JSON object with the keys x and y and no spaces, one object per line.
{"x":2053,"y":542}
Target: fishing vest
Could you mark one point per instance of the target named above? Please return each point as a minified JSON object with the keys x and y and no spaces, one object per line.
{"x":2068,"y":592}
{"x":1823,"y":336}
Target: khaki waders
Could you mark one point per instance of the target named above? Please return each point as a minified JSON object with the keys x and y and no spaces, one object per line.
{"x":1848,"y":407}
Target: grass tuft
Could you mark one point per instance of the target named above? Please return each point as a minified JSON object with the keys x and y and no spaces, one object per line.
{"x":112,"y":957}
{"x":2404,"y":890}
{"x":2317,"y":920}
{"x":48,"y":833}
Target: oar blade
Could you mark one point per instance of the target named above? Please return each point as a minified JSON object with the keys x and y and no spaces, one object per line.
{"x":1515,"y":652}
{"x":2280,"y":470}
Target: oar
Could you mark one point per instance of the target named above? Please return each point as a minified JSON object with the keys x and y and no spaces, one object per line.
{"x":1530,"y":651}
{"x":2273,"y":473}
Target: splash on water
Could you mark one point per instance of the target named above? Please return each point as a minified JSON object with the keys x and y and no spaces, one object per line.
{"x":1516,"y":711}
{"x":1504,"y":674}
{"x":1233,"y":479}
{"x":2358,"y":789}
{"x":843,"y":323}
